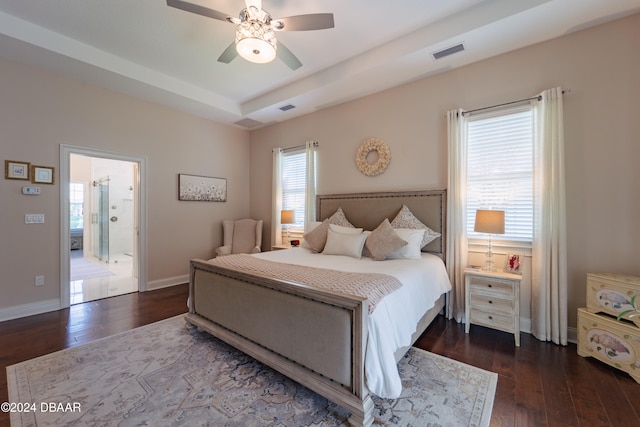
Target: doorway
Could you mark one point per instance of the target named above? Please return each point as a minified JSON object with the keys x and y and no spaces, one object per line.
{"x":102,"y":224}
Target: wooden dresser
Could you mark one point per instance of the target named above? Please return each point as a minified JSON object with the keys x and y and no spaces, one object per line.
{"x":609,"y":327}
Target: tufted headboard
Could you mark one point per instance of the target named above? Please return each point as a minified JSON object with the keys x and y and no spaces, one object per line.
{"x":368,"y":210}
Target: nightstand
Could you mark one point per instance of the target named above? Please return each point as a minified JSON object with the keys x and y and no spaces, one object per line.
{"x":493,"y":300}
{"x":279,"y":247}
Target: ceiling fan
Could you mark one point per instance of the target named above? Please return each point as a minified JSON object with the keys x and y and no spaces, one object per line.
{"x":255,"y":31}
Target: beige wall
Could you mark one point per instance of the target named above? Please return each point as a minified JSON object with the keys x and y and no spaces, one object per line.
{"x":601,"y":67}
{"x":41,"y":110}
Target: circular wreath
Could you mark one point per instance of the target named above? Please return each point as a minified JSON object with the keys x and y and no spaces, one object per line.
{"x":380,"y":165}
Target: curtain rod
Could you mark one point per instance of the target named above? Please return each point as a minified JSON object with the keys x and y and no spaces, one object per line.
{"x":298,"y":147}
{"x":539,"y":98}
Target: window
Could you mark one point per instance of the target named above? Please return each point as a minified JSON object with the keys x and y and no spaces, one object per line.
{"x":76,"y":200}
{"x":500,"y":170}
{"x":293,"y":186}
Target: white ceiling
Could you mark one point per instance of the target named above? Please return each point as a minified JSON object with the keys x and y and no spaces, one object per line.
{"x":165,"y":55}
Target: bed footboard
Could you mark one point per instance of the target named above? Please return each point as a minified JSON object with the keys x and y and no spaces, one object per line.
{"x":317,"y":338}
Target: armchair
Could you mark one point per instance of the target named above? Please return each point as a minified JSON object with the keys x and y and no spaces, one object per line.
{"x":241,"y":236}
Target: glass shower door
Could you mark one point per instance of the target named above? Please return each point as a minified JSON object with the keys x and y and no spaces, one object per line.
{"x":101,"y":219}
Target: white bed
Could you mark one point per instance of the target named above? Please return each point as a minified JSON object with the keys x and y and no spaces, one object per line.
{"x":325,"y":339}
{"x":395,"y":318}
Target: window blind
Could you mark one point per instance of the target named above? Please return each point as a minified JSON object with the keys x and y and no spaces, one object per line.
{"x":500,"y":170}
{"x":293,"y":186}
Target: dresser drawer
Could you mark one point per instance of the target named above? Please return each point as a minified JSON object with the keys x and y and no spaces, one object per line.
{"x":492,"y":285}
{"x":493,"y":303}
{"x":491,"y":319}
{"x":612,"y":293}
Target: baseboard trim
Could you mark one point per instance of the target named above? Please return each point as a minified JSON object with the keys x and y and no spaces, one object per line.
{"x":30,"y":309}
{"x":165,"y":283}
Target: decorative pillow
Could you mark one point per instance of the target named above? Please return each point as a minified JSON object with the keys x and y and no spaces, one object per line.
{"x":339,"y":218}
{"x":317,"y":237}
{"x":345,"y":244}
{"x":344,"y":230}
{"x":406,"y":219}
{"x":413,"y":237}
{"x":383,"y":241}
{"x":309,"y":228}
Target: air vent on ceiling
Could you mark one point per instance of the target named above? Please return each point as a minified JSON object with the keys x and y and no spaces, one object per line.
{"x":248,"y":123}
{"x":287,"y":107}
{"x":448,"y":51}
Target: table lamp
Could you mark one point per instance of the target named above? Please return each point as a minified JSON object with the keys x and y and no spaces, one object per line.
{"x":491,"y":222}
{"x":287,"y":217}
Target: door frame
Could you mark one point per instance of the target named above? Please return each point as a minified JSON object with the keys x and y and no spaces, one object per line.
{"x":140,"y":213}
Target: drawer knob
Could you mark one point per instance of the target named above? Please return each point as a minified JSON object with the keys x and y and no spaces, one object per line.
{"x":490,"y":286}
{"x":490,"y":302}
{"x":490,"y":317}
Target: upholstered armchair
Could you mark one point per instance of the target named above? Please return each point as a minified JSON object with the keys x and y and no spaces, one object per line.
{"x":243,"y":236}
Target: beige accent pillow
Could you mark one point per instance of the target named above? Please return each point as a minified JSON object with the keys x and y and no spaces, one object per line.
{"x":406,"y":219}
{"x":345,"y":244}
{"x":383,"y":241}
{"x":413,"y":237}
{"x":317,"y":237}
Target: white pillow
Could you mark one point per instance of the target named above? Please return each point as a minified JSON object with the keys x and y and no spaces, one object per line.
{"x":344,"y":230}
{"x":413,"y":237}
{"x":345,"y":244}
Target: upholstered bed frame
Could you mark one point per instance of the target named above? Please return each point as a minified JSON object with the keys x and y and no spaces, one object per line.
{"x":315,"y":337}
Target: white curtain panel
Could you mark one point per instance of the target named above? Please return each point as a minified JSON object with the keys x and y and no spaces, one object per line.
{"x":310,"y":183}
{"x":457,"y":244}
{"x":276,"y":189}
{"x":549,"y":252}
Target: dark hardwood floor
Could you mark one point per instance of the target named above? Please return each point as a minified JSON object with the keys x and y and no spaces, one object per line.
{"x":539,"y":384}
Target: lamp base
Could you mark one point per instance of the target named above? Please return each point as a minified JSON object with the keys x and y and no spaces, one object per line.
{"x":488,"y":264}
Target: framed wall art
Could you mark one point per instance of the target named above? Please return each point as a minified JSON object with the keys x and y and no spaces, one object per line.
{"x":17,"y":170}
{"x":42,"y":174}
{"x":202,"y":188}
{"x":512,"y":264}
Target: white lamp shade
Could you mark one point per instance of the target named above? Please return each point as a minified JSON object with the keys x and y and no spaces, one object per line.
{"x":287,"y":217}
{"x":489,"y":221}
{"x":256,"y":42}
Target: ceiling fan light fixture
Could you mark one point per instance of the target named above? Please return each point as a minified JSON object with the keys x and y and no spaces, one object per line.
{"x":256,"y":42}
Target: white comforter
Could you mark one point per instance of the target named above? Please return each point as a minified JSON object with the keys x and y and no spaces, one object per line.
{"x":395,"y":318}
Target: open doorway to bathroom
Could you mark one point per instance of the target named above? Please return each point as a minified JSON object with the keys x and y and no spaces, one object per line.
{"x":102,"y":228}
{"x":102,"y":205}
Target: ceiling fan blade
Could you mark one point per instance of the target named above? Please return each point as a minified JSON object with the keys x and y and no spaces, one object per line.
{"x":288,"y":57}
{"x":314,"y":21}
{"x":197,"y":9}
{"x":229,"y":54}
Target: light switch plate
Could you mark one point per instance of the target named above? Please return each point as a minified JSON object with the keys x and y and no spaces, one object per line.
{"x":34,"y":218}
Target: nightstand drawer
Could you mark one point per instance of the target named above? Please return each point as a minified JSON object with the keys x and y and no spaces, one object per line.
{"x":492,"y":303}
{"x":492,"y":320}
{"x":495,"y":286}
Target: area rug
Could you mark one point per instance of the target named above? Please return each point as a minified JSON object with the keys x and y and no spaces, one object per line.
{"x":159,"y":375}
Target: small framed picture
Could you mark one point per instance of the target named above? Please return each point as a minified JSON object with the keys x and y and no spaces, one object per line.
{"x":42,"y":175}
{"x":16,"y":170}
{"x":512,"y":264}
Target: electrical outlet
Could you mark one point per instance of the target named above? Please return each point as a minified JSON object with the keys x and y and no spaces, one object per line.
{"x":39,"y":280}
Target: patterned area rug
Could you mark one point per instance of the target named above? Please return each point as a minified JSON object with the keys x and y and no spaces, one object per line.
{"x":159,"y":375}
